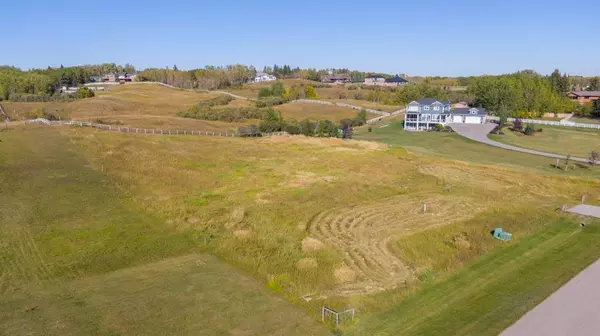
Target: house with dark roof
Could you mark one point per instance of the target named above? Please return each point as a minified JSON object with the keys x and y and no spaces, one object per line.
{"x":337,"y":78}
{"x":424,"y":114}
{"x":583,"y":97}
{"x":380,"y":80}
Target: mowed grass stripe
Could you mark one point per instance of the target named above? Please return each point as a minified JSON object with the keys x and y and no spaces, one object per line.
{"x":495,"y":291}
{"x":189,"y":295}
{"x":60,"y":217}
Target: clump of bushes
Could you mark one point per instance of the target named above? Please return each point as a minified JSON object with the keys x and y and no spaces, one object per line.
{"x":84,"y":92}
{"x":529,"y":129}
{"x":221,"y":100}
{"x":271,"y":101}
{"x":226,"y":114}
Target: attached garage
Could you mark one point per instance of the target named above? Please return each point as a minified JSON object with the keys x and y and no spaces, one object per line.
{"x":472,"y":120}
{"x":457,"y":119}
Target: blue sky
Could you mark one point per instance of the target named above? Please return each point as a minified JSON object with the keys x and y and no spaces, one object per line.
{"x":426,"y":37}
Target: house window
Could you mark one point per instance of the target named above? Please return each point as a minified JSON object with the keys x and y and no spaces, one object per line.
{"x":426,"y":107}
{"x":436,"y":108}
{"x":473,"y":111}
{"x":413,"y":108}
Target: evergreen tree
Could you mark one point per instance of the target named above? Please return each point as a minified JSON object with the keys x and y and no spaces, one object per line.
{"x":175,"y":67}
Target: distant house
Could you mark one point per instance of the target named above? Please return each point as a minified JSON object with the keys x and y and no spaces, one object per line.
{"x":263,"y":77}
{"x":111,"y":77}
{"x":583,"y":97}
{"x":337,"y":78}
{"x":424,"y":114}
{"x":380,"y":80}
{"x":375,"y":80}
{"x":96,"y":79}
{"x":395,"y":81}
{"x":126,"y":77}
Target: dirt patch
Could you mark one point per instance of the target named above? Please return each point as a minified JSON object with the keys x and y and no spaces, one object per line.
{"x":236,"y":217}
{"x":241,"y":233}
{"x":307,"y":263}
{"x":344,"y":275}
{"x":311,"y":244}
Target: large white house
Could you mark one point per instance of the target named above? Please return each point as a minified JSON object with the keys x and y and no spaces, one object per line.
{"x":263,"y":77}
{"x":424,"y":114}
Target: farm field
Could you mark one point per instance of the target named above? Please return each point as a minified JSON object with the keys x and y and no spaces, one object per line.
{"x":80,"y":257}
{"x":560,"y":140}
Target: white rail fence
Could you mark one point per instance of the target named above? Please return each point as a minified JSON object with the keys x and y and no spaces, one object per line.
{"x":553,"y":123}
{"x":127,"y":129}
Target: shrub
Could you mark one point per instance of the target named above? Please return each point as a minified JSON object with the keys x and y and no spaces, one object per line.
{"x":370,"y":129}
{"x":310,"y":92}
{"x":518,"y":125}
{"x":274,"y":101}
{"x":342,"y":95}
{"x":438,"y":128}
{"x":84,"y":92}
{"x":540,"y":130}
{"x":292,"y":129}
{"x":529,"y":129}
{"x":264,"y":92}
{"x":307,"y":127}
{"x":352,"y":87}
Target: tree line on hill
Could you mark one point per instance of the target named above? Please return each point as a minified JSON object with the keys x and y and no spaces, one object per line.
{"x":46,"y":84}
{"x":270,"y":120}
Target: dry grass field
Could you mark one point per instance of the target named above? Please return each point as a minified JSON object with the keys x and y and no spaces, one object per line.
{"x":367,"y":104}
{"x":79,"y":257}
{"x":89,"y":218}
{"x":300,"y":111}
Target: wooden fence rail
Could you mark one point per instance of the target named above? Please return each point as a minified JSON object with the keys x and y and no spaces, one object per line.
{"x":127,"y":129}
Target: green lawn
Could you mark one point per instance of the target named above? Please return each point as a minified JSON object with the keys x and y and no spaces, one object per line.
{"x":560,"y":140}
{"x":69,"y":236}
{"x":493,"y":292}
{"x":455,"y":147}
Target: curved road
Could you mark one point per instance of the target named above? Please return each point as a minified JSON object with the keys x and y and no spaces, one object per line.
{"x":479,"y":133}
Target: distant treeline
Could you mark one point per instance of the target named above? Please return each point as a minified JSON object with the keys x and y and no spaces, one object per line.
{"x":45,"y":84}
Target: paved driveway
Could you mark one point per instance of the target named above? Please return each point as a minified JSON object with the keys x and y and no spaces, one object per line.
{"x":479,"y":132}
{"x":586,"y":210}
{"x":572,"y":310}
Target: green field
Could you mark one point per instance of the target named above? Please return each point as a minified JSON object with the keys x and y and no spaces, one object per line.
{"x":490,"y":294}
{"x":80,"y":257}
{"x":454,"y":147}
{"x":560,"y":140}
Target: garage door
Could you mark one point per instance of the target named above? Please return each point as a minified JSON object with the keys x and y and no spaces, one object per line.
{"x":473,"y":120}
{"x":457,"y":119}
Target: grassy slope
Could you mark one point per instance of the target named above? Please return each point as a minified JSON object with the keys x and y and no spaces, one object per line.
{"x":189,"y":295}
{"x":367,"y":104}
{"x":61,"y":218}
{"x":492,"y":293}
{"x":455,"y":147}
{"x":301,"y":111}
{"x":561,"y":140}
